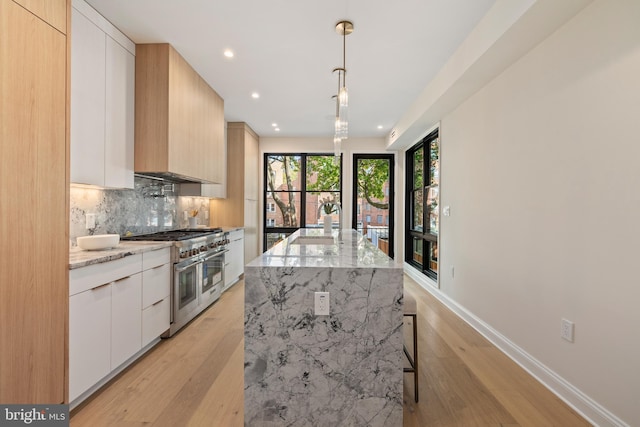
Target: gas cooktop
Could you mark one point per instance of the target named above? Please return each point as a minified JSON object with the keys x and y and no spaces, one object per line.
{"x":171,"y":235}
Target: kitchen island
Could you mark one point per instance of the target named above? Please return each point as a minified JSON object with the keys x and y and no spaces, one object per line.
{"x":303,"y":369}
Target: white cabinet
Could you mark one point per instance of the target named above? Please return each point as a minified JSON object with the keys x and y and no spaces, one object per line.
{"x":89,"y":338}
{"x":234,"y":259}
{"x":126,"y":322}
{"x":102,"y":101}
{"x":156,"y":288}
{"x":119,"y":116}
{"x":87,"y":100}
{"x":97,"y":299}
{"x":115,"y":310}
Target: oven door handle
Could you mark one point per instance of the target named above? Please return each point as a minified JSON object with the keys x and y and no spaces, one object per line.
{"x":216,"y":254}
{"x":181,"y":269}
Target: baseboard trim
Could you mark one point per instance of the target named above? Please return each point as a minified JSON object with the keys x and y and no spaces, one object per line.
{"x":572,"y":396}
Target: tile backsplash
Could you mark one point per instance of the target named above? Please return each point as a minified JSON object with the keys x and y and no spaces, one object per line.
{"x":151,"y":206}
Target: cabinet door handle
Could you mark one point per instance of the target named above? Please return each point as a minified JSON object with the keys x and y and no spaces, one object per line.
{"x":156,"y":303}
{"x":158,"y":266}
{"x":101,"y":286}
{"x":120,"y":280}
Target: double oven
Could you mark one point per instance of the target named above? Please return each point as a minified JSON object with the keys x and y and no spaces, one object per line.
{"x":198,"y":257}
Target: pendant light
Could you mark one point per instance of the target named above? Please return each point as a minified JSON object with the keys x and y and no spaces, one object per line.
{"x":341,"y":125}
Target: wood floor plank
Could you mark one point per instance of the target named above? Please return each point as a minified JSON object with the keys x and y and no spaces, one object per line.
{"x":219,"y":407}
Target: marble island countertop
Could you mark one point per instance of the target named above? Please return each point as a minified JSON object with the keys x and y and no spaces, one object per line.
{"x":351,"y":249}
{"x":80,"y":258}
{"x":345,"y":368}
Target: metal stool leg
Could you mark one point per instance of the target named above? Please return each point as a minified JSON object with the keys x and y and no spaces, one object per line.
{"x":413,"y":360}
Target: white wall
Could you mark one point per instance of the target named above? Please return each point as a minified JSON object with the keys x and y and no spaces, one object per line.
{"x":325,"y":145}
{"x":541,"y":169}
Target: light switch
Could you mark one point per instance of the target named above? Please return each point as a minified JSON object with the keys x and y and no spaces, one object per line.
{"x":446,"y":211}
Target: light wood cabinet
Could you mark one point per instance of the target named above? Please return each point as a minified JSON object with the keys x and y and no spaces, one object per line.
{"x":53,"y":12}
{"x":34,"y":217}
{"x":102,"y":101}
{"x":240,"y":208}
{"x":179,"y":127}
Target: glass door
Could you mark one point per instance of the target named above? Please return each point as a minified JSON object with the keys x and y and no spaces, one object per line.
{"x":373,"y":209}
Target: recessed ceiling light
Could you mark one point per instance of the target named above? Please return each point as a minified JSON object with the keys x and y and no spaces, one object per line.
{"x":255,"y":95}
{"x":228,"y":53}
{"x":275,"y":125}
{"x":277,"y":129}
{"x":379,"y":126}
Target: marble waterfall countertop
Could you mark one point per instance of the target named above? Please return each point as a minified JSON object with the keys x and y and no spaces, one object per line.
{"x":342,"y":369}
{"x":81,"y":258}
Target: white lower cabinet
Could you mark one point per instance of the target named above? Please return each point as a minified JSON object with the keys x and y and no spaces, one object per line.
{"x":234,"y":259}
{"x":89,"y":338}
{"x":155,"y":320}
{"x":126,"y":322}
{"x":116,"y":309}
{"x":156,"y":288}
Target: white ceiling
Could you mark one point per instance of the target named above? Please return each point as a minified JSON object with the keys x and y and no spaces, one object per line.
{"x":286,"y":50}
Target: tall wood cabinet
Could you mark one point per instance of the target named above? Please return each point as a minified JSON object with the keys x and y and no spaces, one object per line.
{"x":240,"y":208}
{"x":179,"y":129}
{"x":34,"y":200}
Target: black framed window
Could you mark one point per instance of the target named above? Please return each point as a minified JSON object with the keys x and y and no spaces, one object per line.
{"x":422,"y":205}
{"x":300,"y":189}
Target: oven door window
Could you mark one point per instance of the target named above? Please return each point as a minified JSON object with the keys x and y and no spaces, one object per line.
{"x":212,"y":272}
{"x":187,"y":291}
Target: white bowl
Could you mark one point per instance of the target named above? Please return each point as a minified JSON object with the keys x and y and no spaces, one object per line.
{"x":99,"y":241}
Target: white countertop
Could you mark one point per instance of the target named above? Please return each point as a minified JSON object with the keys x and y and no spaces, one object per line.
{"x":351,"y":250}
{"x":81,"y":258}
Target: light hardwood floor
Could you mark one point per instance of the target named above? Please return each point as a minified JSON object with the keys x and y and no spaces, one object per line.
{"x":196,"y":378}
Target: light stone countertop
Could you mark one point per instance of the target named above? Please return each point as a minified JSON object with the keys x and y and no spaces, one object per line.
{"x":351,"y":250}
{"x":80,"y":258}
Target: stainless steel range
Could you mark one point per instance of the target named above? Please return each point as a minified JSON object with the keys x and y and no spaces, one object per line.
{"x":198,"y":270}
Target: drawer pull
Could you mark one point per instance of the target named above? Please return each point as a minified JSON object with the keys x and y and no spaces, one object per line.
{"x":120,"y":280}
{"x":101,"y":286}
{"x":156,"y":303}
{"x":158,"y":266}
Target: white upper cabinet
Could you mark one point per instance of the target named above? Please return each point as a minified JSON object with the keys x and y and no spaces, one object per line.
{"x":102,"y":101}
{"x":119,"y":117}
{"x":87,"y":100}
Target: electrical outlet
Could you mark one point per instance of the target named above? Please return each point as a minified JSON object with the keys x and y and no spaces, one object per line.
{"x":321,"y":303}
{"x":90,"y":219}
{"x":185,"y":215}
{"x":206,"y":214}
{"x":566,"y":330}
